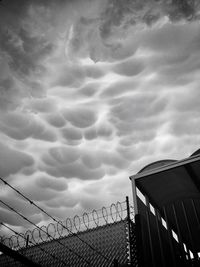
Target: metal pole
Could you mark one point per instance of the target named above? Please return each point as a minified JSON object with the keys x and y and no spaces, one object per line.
{"x":115,"y":263}
{"x":134,"y":196}
{"x":129,"y":230}
{"x":27,"y":240}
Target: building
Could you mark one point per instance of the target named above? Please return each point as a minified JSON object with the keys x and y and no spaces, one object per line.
{"x":167,"y":212}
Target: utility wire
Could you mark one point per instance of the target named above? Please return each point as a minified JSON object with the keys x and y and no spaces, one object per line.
{"x":42,"y":249}
{"x":57,"y":240}
{"x":74,"y":234}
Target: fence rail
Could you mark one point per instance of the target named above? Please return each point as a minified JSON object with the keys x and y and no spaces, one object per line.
{"x":88,"y":220}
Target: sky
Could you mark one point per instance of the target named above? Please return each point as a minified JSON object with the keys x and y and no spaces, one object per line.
{"x":91,"y":91}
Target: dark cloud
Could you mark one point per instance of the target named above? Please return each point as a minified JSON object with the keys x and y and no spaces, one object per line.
{"x":93,"y":91}
{"x":90,"y":133}
{"x":41,"y":105}
{"x":74,"y":170}
{"x":138,"y":106}
{"x":80,"y":117}
{"x":51,"y":183}
{"x":12,"y":161}
{"x":104,"y":130}
{"x":21,"y":126}
{"x":10,"y":218}
{"x":187,"y":103}
{"x":61,"y":155}
{"x":125,"y":13}
{"x":129,"y":68}
{"x":83,"y":164}
{"x":56,"y":120}
{"x":90,"y":160}
{"x":63,"y":201}
{"x":114,"y":20}
{"x":11,"y":94}
{"x":113,"y":159}
{"x":90,"y":89}
{"x":119,"y":89}
{"x":24,"y":51}
{"x":71,"y":76}
{"x":71,"y":133}
{"x":36,"y":192}
{"x":94,"y":72}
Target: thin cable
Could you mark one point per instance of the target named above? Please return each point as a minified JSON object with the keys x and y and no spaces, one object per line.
{"x":42,"y":249}
{"x":57,"y":240}
{"x":74,"y":234}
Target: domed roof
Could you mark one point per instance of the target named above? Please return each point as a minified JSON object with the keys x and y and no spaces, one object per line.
{"x":157,"y":164}
{"x":197,"y":152}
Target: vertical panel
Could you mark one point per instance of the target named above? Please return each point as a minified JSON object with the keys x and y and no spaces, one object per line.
{"x":170,"y":238}
{"x":160,"y":240}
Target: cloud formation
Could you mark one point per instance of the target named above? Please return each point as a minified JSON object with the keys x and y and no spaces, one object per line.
{"x":90,"y":92}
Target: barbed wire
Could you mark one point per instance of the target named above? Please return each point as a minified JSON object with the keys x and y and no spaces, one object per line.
{"x":87,"y":221}
{"x":58,"y":222}
{"x":40,"y":248}
{"x":22,"y":216}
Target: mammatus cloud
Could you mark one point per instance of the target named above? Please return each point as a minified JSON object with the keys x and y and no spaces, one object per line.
{"x":12,"y":160}
{"x":90,"y":92}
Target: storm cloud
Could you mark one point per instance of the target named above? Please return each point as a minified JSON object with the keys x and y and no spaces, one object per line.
{"x":90,"y":92}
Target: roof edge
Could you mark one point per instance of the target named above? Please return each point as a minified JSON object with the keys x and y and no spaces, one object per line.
{"x":165,"y":167}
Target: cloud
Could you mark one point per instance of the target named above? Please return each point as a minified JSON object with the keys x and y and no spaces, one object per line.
{"x":64,"y":155}
{"x":10,"y":218}
{"x":129,"y":109}
{"x":56,"y":120}
{"x":90,"y":92}
{"x":71,"y":76}
{"x":105,"y":37}
{"x":80,"y":117}
{"x":20,"y":126}
{"x":51,"y":183}
{"x":129,"y":68}
{"x":90,"y":133}
{"x":41,"y":105}
{"x":90,"y":89}
{"x":119,"y":88}
{"x":12,"y":161}
{"x":24,"y":51}
{"x":85,"y":163}
{"x":71,"y":133}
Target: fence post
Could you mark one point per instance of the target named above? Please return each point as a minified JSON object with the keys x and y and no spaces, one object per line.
{"x":129,"y":230}
{"x":115,"y":263}
{"x":27,"y":241}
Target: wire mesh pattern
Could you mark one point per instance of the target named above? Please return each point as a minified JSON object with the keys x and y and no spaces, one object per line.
{"x":110,"y":239}
{"x":133,"y":245}
{"x":98,"y":217}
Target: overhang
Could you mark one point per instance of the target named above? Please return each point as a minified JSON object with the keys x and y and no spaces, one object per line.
{"x":175,"y":183}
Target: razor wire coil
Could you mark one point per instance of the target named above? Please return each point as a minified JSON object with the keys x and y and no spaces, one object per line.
{"x":115,"y":212}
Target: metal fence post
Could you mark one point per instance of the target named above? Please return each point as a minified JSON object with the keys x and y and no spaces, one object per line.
{"x":115,"y":263}
{"x":129,"y":231}
{"x":27,"y":241}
